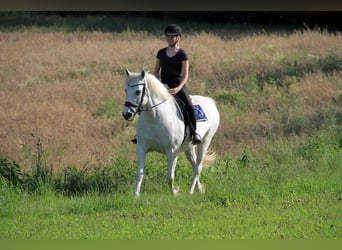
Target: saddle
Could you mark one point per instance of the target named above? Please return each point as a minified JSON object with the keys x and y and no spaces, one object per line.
{"x":199,"y":113}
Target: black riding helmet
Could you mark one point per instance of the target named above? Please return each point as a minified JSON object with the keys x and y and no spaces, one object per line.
{"x":173,"y":29}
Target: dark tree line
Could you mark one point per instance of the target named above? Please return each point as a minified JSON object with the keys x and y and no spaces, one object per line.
{"x":297,"y":19}
{"x":330,"y":20}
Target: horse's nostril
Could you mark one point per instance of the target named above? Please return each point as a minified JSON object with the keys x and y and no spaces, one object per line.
{"x":127,"y":115}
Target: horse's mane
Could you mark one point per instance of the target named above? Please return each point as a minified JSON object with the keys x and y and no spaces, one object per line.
{"x":157,"y":88}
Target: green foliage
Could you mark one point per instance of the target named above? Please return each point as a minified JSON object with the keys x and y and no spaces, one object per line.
{"x":331,"y":62}
{"x":109,"y":109}
{"x":292,"y":190}
{"x":248,"y":175}
{"x":308,"y":125}
{"x":115,"y":178}
{"x":40,"y":174}
{"x":285,"y":73}
{"x":118,"y":177}
{"x":12,"y":172}
{"x":234,"y":98}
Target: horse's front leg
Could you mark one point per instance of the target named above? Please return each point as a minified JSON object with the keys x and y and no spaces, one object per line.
{"x":141,"y":154}
{"x":172,"y":161}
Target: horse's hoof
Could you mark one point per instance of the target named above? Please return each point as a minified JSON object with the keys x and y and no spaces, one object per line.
{"x":175,"y":191}
{"x":201,"y":189}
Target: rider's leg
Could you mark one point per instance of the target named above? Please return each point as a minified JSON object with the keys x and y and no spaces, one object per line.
{"x":183,"y":94}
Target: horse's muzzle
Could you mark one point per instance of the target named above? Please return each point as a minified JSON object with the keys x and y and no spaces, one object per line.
{"x":130,"y":110}
{"x":128,"y":115}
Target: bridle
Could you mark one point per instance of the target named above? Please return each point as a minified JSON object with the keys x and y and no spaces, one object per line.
{"x":138,"y":108}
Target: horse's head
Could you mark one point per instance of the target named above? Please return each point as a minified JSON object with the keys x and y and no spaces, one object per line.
{"x":136,"y":96}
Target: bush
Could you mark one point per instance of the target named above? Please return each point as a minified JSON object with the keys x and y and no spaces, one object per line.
{"x":117,"y":177}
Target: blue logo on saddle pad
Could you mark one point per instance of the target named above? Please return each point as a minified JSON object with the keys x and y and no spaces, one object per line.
{"x":199,"y":113}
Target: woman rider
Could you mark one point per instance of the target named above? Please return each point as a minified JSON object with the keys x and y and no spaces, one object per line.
{"x":172,"y":68}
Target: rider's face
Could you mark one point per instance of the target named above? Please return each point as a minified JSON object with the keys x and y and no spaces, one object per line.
{"x":171,"y":39}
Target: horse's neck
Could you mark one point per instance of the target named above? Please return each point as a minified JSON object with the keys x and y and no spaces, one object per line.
{"x":160,"y":108}
{"x":159,"y":104}
{"x":161,"y":120}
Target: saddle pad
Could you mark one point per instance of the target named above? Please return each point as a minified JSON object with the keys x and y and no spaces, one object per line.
{"x":199,"y":113}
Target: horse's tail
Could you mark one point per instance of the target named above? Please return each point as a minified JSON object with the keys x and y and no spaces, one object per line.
{"x":209,"y":159}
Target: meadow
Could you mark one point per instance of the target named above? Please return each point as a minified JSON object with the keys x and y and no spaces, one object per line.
{"x":67,"y":166}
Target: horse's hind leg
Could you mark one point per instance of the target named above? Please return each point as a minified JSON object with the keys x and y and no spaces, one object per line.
{"x":191,"y":156}
{"x":197,"y":168}
{"x":196,"y":180}
{"x":172,"y":159}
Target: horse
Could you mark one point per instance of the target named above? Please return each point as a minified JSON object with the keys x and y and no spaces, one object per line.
{"x":161,"y":128}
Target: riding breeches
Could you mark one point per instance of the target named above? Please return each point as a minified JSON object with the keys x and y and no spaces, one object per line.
{"x":184,"y":96}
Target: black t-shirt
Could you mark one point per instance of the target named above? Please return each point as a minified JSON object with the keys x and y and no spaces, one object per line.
{"x":171,"y":67}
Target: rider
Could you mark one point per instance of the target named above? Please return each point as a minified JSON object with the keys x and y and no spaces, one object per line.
{"x":172,"y":67}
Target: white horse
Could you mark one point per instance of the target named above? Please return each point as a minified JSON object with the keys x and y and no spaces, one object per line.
{"x":161,"y":127}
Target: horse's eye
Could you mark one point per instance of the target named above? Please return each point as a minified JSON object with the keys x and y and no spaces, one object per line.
{"x":137,"y":92}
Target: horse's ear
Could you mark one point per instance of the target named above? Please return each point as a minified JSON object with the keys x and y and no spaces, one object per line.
{"x":128,"y":73}
{"x":142,"y":74}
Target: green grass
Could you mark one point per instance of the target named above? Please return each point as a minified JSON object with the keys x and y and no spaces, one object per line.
{"x":160,"y":216}
{"x":292,"y":192}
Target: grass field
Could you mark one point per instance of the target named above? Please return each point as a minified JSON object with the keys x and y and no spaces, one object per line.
{"x":67,"y":166}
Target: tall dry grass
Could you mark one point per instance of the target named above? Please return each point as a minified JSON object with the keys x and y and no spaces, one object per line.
{"x":66,"y":89}
{"x":52,"y":85}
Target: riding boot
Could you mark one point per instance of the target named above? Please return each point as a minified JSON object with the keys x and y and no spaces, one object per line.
{"x":196,"y":139}
{"x":183,"y":95}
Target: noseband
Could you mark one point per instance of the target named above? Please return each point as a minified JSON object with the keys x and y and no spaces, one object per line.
{"x":137,"y":107}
